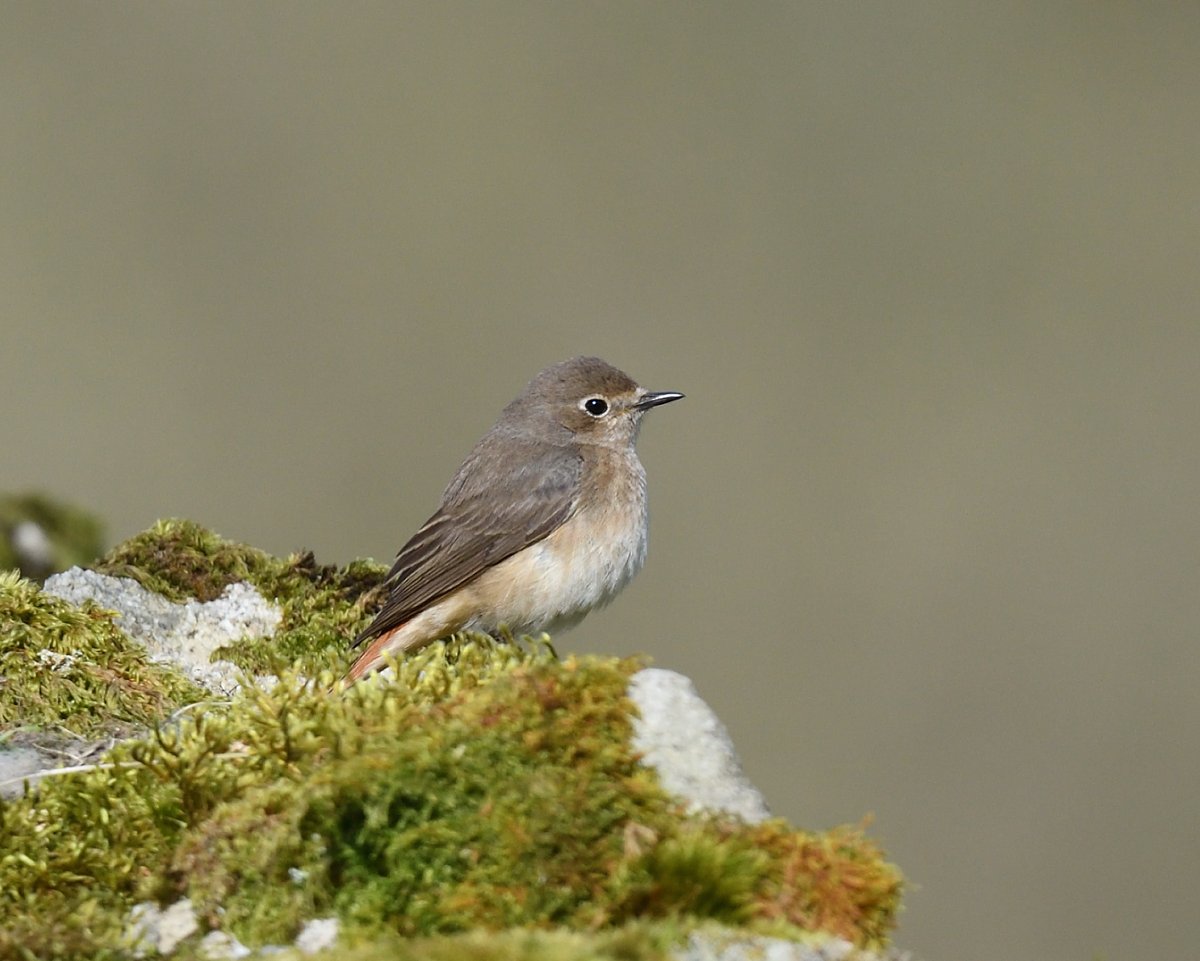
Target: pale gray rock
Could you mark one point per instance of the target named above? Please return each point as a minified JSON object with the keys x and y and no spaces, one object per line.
{"x":317,"y":935}
{"x":221,"y":946}
{"x":27,"y":756}
{"x":727,"y":945}
{"x":681,"y":737}
{"x":186,"y":634}
{"x":160,"y":930}
{"x":17,"y":766}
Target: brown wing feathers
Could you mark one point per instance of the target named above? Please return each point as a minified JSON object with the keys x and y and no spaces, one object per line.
{"x":475,"y":529}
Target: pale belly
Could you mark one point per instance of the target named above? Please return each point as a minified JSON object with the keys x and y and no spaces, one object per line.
{"x":552,"y":585}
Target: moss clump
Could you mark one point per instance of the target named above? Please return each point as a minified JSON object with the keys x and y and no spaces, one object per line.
{"x":323,"y":606}
{"x":180,"y":560}
{"x":503,"y":805}
{"x":498,"y":805}
{"x":836,"y":881}
{"x":71,"y":536}
{"x":72,"y":855}
{"x":490,"y":786}
{"x":72,"y":668}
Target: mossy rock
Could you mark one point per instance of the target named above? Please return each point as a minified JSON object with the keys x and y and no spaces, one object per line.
{"x":323,"y":606}
{"x":486,"y":787}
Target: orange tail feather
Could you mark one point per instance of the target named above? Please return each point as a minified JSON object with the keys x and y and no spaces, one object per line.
{"x":371,"y":658}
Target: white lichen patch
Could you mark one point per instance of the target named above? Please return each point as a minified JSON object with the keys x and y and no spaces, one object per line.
{"x":186,"y":634}
{"x":682,"y":738}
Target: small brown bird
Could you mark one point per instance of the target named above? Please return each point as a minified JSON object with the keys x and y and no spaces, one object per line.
{"x":544,"y":521}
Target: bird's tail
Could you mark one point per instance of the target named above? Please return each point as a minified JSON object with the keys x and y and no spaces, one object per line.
{"x":371,"y":658}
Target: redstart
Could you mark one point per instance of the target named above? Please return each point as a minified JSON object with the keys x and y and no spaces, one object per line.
{"x":544,"y":521}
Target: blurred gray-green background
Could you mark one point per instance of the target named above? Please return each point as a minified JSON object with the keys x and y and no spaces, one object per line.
{"x":926,"y":529}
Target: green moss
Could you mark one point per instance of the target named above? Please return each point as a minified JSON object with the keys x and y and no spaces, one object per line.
{"x":180,"y":559}
{"x":323,"y":606}
{"x":73,"y":668}
{"x":74,"y":535}
{"x":693,"y":871}
{"x":512,"y":803}
{"x":436,"y":807}
{"x":488,"y":786}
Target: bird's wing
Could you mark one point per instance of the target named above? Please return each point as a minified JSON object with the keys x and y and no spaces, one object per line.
{"x":484,"y":518}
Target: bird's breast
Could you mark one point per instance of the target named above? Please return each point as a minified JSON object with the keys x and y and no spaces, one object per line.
{"x":582,"y":564}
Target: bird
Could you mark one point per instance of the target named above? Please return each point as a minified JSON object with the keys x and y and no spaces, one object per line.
{"x":544,"y":521}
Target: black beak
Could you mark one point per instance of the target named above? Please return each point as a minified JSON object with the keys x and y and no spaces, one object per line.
{"x":655,"y":397}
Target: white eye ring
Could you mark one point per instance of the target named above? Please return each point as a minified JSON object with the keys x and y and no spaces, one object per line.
{"x":594,"y":406}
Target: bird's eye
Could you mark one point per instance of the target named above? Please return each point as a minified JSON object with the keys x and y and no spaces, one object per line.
{"x":596,"y":406}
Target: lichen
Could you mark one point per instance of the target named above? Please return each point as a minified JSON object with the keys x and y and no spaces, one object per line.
{"x":486,"y":786}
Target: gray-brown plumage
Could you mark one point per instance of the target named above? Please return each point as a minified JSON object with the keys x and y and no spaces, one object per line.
{"x":544,"y":520}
